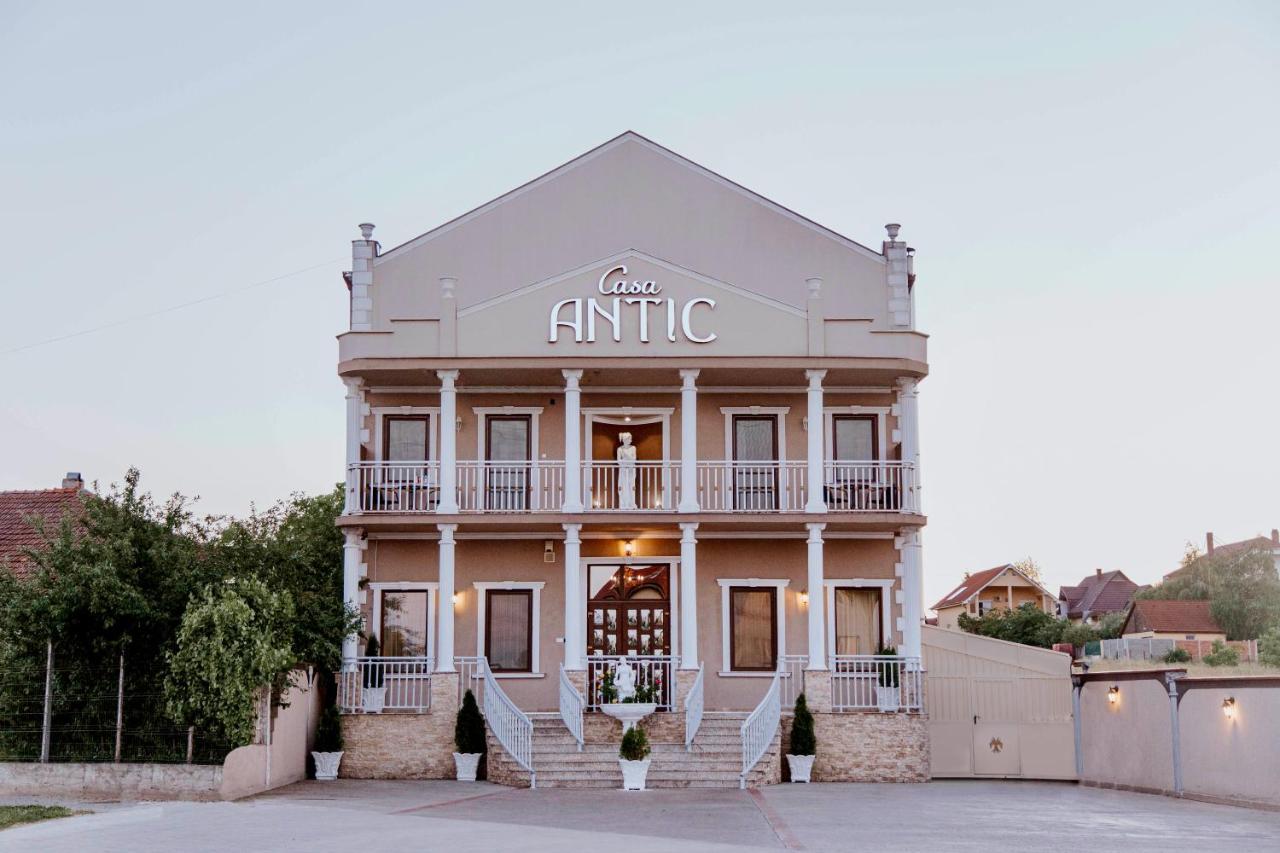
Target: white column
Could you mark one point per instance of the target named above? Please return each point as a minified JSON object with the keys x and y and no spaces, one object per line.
{"x":448,"y":503}
{"x":909,"y":427}
{"x":912,"y":593}
{"x":351,"y":587}
{"x":688,"y":441}
{"x":688,"y":596}
{"x":815,"y":502}
{"x":444,"y":600}
{"x":817,"y":600}
{"x":572,"y":441}
{"x":575,"y":600}
{"x":355,"y":405}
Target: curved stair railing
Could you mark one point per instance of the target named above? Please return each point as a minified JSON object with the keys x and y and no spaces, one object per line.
{"x":571,"y":703}
{"x":511,"y":726}
{"x":693,"y":711}
{"x":759,"y":728}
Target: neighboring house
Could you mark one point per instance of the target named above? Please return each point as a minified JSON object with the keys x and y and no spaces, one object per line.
{"x":1096,"y":596}
{"x":1273,"y":544}
{"x":1172,"y":620}
{"x":17,"y":511}
{"x":1004,"y":587}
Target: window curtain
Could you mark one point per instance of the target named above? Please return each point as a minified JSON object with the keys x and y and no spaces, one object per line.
{"x":407,"y":440}
{"x":752,"y":643}
{"x":508,"y":619}
{"x":854,"y":439}
{"x":857,"y":621}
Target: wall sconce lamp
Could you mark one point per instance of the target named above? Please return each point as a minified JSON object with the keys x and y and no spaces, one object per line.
{"x":1229,"y":707}
{"x":457,"y":422}
{"x":1113,"y":695}
{"x":803,"y":597}
{"x":804,"y":423}
{"x":457,"y":599}
{"x":629,"y":547}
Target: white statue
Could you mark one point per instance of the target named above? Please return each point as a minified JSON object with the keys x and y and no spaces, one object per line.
{"x":626,"y":472}
{"x":624,"y":680}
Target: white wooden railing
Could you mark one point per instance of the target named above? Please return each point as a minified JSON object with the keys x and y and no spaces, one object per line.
{"x":751,"y":486}
{"x":571,"y":703}
{"x":855,"y":679}
{"x":868,"y":486}
{"x":470,"y":677}
{"x":759,"y":728}
{"x":693,"y":710}
{"x":395,"y":486}
{"x":511,"y":726}
{"x":791,"y":672}
{"x":657,"y":671}
{"x":654,"y":486}
{"x":403,"y":682}
{"x":533,"y":486}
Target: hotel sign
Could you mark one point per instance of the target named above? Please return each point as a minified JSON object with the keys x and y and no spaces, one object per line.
{"x":636,"y":307}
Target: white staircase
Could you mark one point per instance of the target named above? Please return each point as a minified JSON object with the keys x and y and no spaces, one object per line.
{"x":715,"y":761}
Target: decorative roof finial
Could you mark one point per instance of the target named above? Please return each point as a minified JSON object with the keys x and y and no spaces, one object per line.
{"x":893,"y":229}
{"x":366,"y":230}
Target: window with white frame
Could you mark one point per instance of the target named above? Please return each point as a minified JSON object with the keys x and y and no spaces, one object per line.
{"x":507,"y":626}
{"x":402,"y":618}
{"x":752,"y":620}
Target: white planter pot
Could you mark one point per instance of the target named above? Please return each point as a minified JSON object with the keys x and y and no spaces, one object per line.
{"x":801,"y":767}
{"x":633,"y":774}
{"x":888,"y":699}
{"x":373,"y":699}
{"x":466,"y":764}
{"x":326,"y":765}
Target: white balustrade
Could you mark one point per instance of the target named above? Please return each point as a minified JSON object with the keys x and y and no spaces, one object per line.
{"x":470,"y":677}
{"x":571,"y":703}
{"x":693,"y":706}
{"x":395,"y":486}
{"x":759,"y":729}
{"x":751,"y":486}
{"x":376,"y":684}
{"x":511,"y":726}
{"x":654,"y":672}
{"x":655,"y":486}
{"x":868,"y":486}
{"x":531,"y":486}
{"x":791,"y":672}
{"x":856,"y":679}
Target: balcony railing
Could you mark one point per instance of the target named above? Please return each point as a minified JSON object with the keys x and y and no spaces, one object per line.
{"x":372,"y":685}
{"x":656,"y":672}
{"x":651,"y":486}
{"x":876,"y":682}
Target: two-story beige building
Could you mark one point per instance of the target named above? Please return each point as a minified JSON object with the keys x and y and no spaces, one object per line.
{"x":633,"y":411}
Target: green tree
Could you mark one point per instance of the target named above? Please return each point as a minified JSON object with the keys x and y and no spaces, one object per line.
{"x":803,"y":740}
{"x":1110,"y":625}
{"x":234,"y":639}
{"x":1242,"y":587}
{"x":1269,"y":647}
{"x":1026,"y":624}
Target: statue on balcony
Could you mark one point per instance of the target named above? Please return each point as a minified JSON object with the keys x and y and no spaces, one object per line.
{"x":626,"y":472}
{"x":624,"y":680}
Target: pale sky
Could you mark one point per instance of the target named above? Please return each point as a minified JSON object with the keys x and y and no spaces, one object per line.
{"x":1092,"y":190}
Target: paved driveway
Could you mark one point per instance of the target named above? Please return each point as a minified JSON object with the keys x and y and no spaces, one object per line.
{"x":455,"y":817}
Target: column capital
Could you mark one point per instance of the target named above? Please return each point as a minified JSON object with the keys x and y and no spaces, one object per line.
{"x":447,"y":378}
{"x":352,"y":539}
{"x":571,"y":533}
{"x":815,"y":378}
{"x":688,"y":375}
{"x":815,"y":287}
{"x":571,"y":378}
{"x":908,"y":385}
{"x":688,"y":529}
{"x":447,"y":285}
{"x":354,"y":384}
{"x":446,"y":533}
{"x":815,"y":530}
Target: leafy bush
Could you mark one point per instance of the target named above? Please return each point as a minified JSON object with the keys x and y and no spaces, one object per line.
{"x":329,"y":731}
{"x":635,"y":745}
{"x":1110,"y":626}
{"x":373,"y":672}
{"x":1269,"y":647}
{"x":1222,"y":655}
{"x":468,"y":731}
{"x":1079,"y":635}
{"x":803,"y":740}
{"x":888,"y":669}
{"x":1026,"y":624}
{"x":1177,"y":655}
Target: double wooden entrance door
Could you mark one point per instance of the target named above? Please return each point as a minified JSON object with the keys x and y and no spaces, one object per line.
{"x":629,"y":610}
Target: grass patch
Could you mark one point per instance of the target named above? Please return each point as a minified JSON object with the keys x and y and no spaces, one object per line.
{"x":14,"y":815}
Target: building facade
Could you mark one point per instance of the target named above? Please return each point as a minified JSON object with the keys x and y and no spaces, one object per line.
{"x":629,"y":410}
{"x":1000,"y":588}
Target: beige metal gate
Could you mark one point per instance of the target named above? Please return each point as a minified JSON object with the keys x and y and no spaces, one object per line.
{"x":997,"y":709}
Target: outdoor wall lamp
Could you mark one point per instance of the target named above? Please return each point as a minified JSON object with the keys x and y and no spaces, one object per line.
{"x":629,"y":547}
{"x":458,"y":423}
{"x":1229,"y":707}
{"x":457,"y":599}
{"x":803,"y":597}
{"x":1113,"y":695}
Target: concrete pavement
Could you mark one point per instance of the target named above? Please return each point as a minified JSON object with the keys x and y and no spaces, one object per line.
{"x":458,"y":817}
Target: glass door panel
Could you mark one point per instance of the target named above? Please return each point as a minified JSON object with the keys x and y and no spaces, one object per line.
{"x":508,"y":453}
{"x":755,"y":455}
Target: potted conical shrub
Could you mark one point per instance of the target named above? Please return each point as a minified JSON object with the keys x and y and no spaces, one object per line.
{"x":633,"y":758}
{"x":328,"y":746}
{"x":374,"y":693}
{"x":803,"y":742}
{"x":888,"y":697}
{"x":469,"y":738}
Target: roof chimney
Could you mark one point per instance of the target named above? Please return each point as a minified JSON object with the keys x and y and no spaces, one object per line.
{"x":73,"y":480}
{"x":1208,"y":541}
{"x":1097,"y":573}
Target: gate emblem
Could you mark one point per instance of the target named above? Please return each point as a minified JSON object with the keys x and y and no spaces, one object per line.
{"x":996,"y":744}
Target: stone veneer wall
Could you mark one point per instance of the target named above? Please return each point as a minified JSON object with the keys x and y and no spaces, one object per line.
{"x":404,"y":746}
{"x":868,"y":747}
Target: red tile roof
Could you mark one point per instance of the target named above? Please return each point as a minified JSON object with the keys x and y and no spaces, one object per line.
{"x":16,"y":532}
{"x":1108,"y":592}
{"x":1173,"y":616}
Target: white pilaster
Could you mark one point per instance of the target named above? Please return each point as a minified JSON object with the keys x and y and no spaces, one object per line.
{"x":355,"y":402}
{"x":688,"y":441}
{"x":444,"y":621}
{"x":575,"y":600}
{"x":572,"y":441}
{"x":448,"y":317}
{"x":448,"y":504}
{"x":912,"y":593}
{"x":815,"y":501}
{"x":817,"y":600}
{"x":688,"y":596}
{"x":363,"y":252}
{"x":351,"y":587}
{"x":909,"y":427}
{"x":816,"y":318}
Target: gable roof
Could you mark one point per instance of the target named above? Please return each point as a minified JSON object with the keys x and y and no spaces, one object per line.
{"x":1104,"y":592}
{"x":1228,"y":550}
{"x":630,"y":136}
{"x":978,"y":581}
{"x":17,"y":534}
{"x":1167,"y":615}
